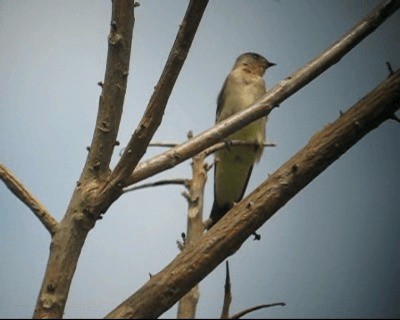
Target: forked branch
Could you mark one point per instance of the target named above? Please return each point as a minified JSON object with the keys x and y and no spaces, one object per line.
{"x":140,"y":140}
{"x":272,"y":98}
{"x":196,"y":261}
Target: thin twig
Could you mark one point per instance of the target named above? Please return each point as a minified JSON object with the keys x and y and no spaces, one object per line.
{"x":389,"y":66}
{"x":163,"y":144}
{"x":154,"y":144}
{"x":195,"y":197}
{"x":227,"y":294}
{"x":261,"y":306}
{"x":184,"y":182}
{"x":234,"y":143}
{"x":26,"y":197}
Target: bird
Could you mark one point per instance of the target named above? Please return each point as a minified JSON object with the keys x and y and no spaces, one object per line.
{"x":233,"y":165}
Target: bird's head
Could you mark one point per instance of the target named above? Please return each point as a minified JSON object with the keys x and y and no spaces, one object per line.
{"x":256,"y":62}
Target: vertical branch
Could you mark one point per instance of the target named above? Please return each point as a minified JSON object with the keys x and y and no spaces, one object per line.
{"x":139,"y":142}
{"x":80,"y":217}
{"x":112,"y":97}
{"x":195,"y":228}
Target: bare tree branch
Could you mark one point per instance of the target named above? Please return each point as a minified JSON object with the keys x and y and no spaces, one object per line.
{"x":184,"y":182}
{"x":81,"y":214}
{"x":26,"y":197}
{"x":112,"y":97}
{"x":234,"y":143}
{"x":188,"y":304}
{"x":139,"y":142}
{"x":163,"y":144}
{"x":390,"y":69}
{"x":271,"y":99}
{"x":155,"y":144}
{"x":261,"y":306}
{"x":97,"y":188}
{"x":196,"y":261}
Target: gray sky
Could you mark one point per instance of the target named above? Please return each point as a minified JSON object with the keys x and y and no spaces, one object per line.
{"x":332,"y":251}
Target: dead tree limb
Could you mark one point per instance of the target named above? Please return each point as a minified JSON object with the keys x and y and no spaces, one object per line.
{"x":112,"y":97}
{"x":151,"y":120}
{"x":255,"y":308}
{"x":97,"y":187}
{"x":184,"y":182}
{"x":271,"y":99}
{"x":80,"y":217}
{"x":188,"y":304}
{"x":196,"y":261}
{"x":227,"y":294}
{"x":29,"y":199}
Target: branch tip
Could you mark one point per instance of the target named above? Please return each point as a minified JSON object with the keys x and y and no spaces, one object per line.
{"x":395,"y":118}
{"x":390,"y":69}
{"x":19,"y":190}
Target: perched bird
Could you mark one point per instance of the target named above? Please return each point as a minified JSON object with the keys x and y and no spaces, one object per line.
{"x":242,"y":87}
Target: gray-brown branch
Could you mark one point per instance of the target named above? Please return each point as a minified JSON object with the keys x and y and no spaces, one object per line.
{"x":112,"y":97}
{"x":272,"y":98}
{"x":227,"y":294}
{"x":184,"y":182}
{"x":151,"y":120}
{"x":195,"y":228}
{"x":29,"y":199}
{"x":81,"y":214}
{"x":255,"y":308}
{"x":196,"y":261}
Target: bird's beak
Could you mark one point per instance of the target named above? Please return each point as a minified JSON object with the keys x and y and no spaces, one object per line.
{"x":271,"y":64}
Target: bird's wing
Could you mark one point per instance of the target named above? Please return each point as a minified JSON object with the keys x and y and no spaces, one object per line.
{"x":220,"y":99}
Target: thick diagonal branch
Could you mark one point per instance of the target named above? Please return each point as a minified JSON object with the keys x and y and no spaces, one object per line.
{"x":140,"y":140}
{"x":196,"y":261}
{"x":272,"y":98}
{"x":26,"y":197}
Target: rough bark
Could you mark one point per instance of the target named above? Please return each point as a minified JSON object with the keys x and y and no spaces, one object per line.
{"x":196,"y":261}
{"x":151,"y":120}
{"x":69,"y":238}
{"x":40,"y":211}
{"x":271,"y":99}
{"x":195,"y":228}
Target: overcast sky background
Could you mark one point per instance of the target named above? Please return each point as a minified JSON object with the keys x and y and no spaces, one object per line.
{"x":332,"y":251}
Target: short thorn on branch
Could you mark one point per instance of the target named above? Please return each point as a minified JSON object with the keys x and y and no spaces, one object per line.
{"x":181,"y":244}
{"x":389,"y":66}
{"x":395,"y":118}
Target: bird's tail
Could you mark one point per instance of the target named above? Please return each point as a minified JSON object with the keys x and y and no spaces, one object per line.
{"x":217,"y":212}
